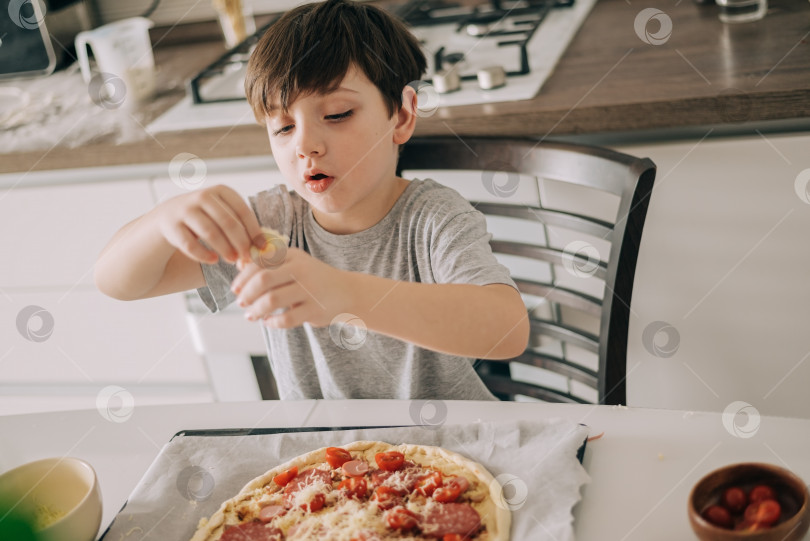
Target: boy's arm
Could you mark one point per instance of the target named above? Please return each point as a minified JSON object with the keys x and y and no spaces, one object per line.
{"x":160,"y":252}
{"x":484,"y":322}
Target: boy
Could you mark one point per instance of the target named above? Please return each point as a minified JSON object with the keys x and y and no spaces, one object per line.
{"x":411,"y":260}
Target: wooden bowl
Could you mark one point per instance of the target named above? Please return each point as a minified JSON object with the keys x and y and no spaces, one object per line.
{"x":791,"y":492}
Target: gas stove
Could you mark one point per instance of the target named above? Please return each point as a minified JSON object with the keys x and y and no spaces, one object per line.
{"x":477,"y":52}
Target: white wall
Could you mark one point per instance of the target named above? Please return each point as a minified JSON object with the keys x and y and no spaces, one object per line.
{"x":725,"y":261}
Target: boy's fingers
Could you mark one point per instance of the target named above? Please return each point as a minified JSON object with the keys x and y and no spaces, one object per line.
{"x":246,"y":272}
{"x":230,"y":224}
{"x":280,"y":298}
{"x":207,"y":230}
{"x":292,"y":317}
{"x":259,"y":282}
{"x":246,"y":216}
{"x":189,"y":245}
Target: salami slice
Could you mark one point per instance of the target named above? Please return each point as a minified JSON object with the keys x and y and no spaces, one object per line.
{"x":251,"y":531}
{"x":446,"y":518}
{"x":308,"y":478}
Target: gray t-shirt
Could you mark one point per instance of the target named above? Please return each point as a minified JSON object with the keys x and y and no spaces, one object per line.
{"x":431,"y":235}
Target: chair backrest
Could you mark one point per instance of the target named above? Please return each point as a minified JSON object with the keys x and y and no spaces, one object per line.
{"x":579,"y":300}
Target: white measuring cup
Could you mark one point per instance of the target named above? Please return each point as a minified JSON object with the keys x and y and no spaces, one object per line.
{"x":123,"y":54}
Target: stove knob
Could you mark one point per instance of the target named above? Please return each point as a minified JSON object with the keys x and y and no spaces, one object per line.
{"x":491,"y":77}
{"x":446,"y":81}
{"x":477,"y":29}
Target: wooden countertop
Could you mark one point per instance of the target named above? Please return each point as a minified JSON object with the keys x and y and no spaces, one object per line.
{"x":608,"y":80}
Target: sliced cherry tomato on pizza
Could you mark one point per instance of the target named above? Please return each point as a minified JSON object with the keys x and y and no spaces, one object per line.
{"x":386,"y":497}
{"x":452,"y":537}
{"x":761,"y":492}
{"x":428,"y":483}
{"x":765,"y":512}
{"x":400,"y":518}
{"x":390,"y":460}
{"x":356,"y":487}
{"x":451,"y":490}
{"x":336,"y":456}
{"x":445,"y":494}
{"x":315,"y":504}
{"x":286,"y":476}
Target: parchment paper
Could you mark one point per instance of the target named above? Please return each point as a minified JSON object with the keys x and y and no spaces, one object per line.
{"x":535,"y":462}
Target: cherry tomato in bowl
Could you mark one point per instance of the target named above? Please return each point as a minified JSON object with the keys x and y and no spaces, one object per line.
{"x":785,"y":516}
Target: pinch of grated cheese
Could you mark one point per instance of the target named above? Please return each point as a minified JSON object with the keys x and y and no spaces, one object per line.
{"x":270,"y":247}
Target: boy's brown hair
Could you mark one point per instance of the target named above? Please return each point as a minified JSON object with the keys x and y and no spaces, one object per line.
{"x":310,"y":49}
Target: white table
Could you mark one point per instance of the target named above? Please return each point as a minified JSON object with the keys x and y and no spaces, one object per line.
{"x":641,"y":470}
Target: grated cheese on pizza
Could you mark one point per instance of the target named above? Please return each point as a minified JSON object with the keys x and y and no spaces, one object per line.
{"x":365,"y":491}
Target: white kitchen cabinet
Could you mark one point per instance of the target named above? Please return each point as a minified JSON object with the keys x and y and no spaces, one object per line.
{"x":97,"y":340}
{"x":51,"y":237}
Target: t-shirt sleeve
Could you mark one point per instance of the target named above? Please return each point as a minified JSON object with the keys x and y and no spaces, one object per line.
{"x":273,"y":208}
{"x":461,"y":253}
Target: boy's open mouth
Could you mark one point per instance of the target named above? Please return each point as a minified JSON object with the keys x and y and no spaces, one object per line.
{"x":319,"y":182}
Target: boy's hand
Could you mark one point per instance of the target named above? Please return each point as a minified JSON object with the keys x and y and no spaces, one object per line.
{"x":218,"y":216}
{"x":308,"y":290}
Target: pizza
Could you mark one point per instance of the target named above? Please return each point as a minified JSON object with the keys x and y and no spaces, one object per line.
{"x":365,"y":491}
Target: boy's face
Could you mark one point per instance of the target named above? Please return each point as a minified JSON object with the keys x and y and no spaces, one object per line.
{"x":338,"y":151}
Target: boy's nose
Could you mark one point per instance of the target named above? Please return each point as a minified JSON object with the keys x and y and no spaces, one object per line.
{"x":309,"y":144}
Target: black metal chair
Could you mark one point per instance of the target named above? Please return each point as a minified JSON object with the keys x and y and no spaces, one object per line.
{"x":579,"y":302}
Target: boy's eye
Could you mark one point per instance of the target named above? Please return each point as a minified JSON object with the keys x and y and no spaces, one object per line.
{"x":340,"y":116}
{"x":282,"y":131}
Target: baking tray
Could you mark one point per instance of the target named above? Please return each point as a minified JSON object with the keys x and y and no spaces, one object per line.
{"x":241,"y":432}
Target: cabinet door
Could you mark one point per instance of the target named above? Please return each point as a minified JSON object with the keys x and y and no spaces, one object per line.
{"x":51,"y":236}
{"x":82,"y":337}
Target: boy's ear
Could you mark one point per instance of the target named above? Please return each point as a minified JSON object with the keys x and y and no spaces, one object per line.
{"x":406,"y":116}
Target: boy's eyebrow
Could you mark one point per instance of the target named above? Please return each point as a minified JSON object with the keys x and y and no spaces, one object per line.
{"x":274,"y":107}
